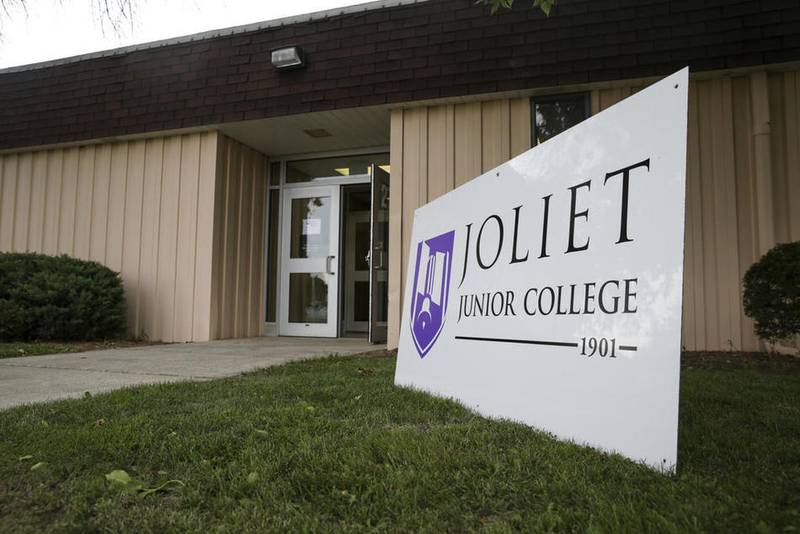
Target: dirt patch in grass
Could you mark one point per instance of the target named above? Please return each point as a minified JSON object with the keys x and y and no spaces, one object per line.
{"x":762,"y":361}
{"x":41,"y":348}
{"x":381,"y":353}
{"x":83,"y":346}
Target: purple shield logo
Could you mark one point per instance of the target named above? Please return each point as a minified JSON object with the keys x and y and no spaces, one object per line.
{"x":431,"y":289}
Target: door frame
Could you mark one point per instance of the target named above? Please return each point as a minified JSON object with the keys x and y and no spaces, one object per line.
{"x":270,"y":328}
{"x":327,"y":266}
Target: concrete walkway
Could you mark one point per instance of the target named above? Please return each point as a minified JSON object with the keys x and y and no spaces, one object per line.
{"x":42,"y":378}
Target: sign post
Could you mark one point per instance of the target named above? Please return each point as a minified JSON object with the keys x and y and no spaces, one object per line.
{"x":549,"y":289}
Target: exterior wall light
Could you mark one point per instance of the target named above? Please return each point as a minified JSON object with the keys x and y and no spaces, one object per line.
{"x":288,"y":57}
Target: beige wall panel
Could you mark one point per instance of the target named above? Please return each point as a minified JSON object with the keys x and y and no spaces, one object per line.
{"x":726,"y":224}
{"x":251,"y":326}
{"x":468,"y":140}
{"x":745,"y":201}
{"x":151,"y":225}
{"x":187,"y":236}
{"x":218,"y":241}
{"x":37,"y":205}
{"x":762,"y":160}
{"x":204,"y":262}
{"x":257,"y":247}
{"x":233,"y":190}
{"x":438,"y":156}
{"x":99,"y":211}
{"x":8,"y":201}
{"x":52,"y":205}
{"x":117,"y":186}
{"x":396,"y":252}
{"x":520,"y":125}
{"x":132,"y":233}
{"x":83,"y":210}
{"x":791,"y":175}
{"x":243,"y":244}
{"x":693,"y":307}
{"x":237,"y":290}
{"x":257,"y":244}
{"x":69,"y":201}
{"x":496,"y":131}
{"x":708,"y":211}
{"x":23,"y":202}
{"x":784,"y":99}
{"x":168,"y":238}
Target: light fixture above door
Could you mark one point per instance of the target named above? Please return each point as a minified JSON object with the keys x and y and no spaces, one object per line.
{"x":287,"y":57}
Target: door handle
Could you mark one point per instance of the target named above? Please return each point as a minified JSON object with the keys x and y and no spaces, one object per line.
{"x":329,"y":264}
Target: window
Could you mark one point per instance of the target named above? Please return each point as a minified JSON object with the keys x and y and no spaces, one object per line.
{"x":553,"y":114}
{"x":309,"y":169}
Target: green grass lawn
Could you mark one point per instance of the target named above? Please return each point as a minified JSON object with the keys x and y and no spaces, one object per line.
{"x":16,"y":350}
{"x":332,"y":445}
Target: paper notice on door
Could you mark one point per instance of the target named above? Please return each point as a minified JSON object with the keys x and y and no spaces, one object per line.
{"x":312,"y":226}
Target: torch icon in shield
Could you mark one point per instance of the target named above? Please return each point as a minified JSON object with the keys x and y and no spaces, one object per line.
{"x":431,"y":289}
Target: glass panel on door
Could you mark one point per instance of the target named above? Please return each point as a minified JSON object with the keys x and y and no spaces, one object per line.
{"x":309,"y":288}
{"x":355,"y":267}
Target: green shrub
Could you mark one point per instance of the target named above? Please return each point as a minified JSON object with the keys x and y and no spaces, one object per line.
{"x":772,"y":292}
{"x":58,"y":297}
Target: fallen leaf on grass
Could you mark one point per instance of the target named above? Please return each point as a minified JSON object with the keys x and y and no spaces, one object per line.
{"x":121,"y":478}
{"x":38,"y":465}
{"x":25,"y":458}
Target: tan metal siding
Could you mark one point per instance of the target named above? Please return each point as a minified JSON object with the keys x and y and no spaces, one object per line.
{"x":742,"y":182}
{"x":784,"y":112}
{"x":143,"y":208}
{"x":433,"y":150}
{"x":239,"y":240}
{"x":742,"y":197}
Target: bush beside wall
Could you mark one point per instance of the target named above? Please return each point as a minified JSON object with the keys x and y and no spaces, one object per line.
{"x":59,"y":298}
{"x":772,"y":293}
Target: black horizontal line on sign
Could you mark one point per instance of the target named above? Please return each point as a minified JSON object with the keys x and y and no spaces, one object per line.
{"x":631,"y":348}
{"x":521,"y":341}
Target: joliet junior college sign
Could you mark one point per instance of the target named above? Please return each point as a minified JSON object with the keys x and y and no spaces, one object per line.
{"x":548,"y":290}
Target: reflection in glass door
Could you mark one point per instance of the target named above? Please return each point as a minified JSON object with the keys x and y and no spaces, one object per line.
{"x":309,"y":279}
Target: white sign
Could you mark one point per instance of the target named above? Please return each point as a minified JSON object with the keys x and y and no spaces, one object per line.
{"x":312,"y":226}
{"x":549,"y":290}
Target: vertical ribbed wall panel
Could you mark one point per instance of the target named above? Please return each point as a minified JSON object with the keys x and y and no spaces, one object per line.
{"x":139,"y":207}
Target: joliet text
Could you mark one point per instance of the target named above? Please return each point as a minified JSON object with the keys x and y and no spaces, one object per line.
{"x":521,"y":235}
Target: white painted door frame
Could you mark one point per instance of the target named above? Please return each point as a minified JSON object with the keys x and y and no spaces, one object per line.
{"x":323,"y":265}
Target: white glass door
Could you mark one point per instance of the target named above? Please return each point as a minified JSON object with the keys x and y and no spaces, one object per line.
{"x":309,"y":274}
